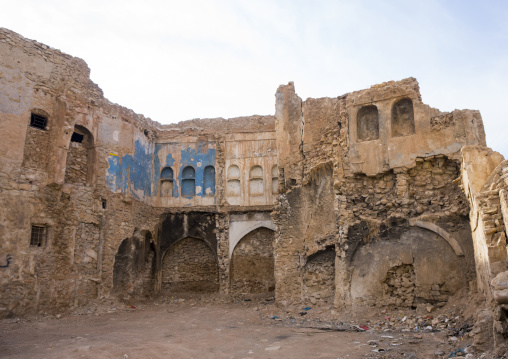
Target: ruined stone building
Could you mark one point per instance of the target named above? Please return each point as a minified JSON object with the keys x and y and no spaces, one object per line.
{"x":372,"y":198}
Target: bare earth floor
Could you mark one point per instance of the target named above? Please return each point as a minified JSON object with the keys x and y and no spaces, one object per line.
{"x":200,"y":330}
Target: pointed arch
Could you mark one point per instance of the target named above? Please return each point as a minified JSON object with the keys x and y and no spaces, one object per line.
{"x":252,"y":266}
{"x":237,"y":230}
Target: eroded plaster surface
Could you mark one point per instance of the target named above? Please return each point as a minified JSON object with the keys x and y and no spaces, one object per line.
{"x":371,"y":199}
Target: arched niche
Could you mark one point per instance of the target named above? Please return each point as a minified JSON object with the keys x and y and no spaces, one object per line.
{"x":189,"y":266}
{"x":167,"y":182}
{"x":209,"y":181}
{"x":252,"y":263}
{"x":256,"y":187}
{"x":188,"y":182}
{"x":233,"y":187}
{"x":167,"y":173}
{"x":80,"y":163}
{"x":275,"y":179}
{"x":406,"y":272}
{"x":367,"y":122}
{"x":403,"y":120}
{"x":239,"y":229}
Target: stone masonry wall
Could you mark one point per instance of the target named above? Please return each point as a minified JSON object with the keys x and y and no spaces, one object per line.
{"x":370,"y":200}
{"x":369,"y":186}
{"x":252,"y":263}
{"x":77,"y":164}
{"x":190,"y":266}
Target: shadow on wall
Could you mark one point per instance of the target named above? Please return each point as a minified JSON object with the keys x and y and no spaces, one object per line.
{"x":134,"y":269}
{"x":188,"y":244}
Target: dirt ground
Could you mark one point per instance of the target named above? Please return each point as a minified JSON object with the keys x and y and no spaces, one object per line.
{"x":191,"y":328}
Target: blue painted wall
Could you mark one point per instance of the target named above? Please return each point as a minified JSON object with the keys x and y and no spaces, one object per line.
{"x":131,"y":171}
{"x":191,"y":157}
{"x":135,"y":171}
{"x":113,"y":176}
{"x":157,"y":169}
{"x":209,"y":181}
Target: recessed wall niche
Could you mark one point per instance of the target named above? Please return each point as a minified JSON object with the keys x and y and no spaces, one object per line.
{"x":403,"y":118}
{"x":368,"y":123}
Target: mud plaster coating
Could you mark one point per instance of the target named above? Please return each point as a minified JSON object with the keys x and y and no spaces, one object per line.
{"x":338,"y":186}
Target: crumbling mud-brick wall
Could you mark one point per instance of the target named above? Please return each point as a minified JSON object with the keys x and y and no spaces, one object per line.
{"x":61,"y":226}
{"x":347,"y":202}
{"x":87,"y":184}
{"x":373,"y":174}
{"x":485,"y":184}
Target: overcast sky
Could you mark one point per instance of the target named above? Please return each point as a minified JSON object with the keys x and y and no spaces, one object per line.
{"x":178,"y":60}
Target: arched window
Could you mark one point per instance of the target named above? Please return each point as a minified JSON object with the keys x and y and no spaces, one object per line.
{"x":167,"y":184}
{"x":80,"y":157}
{"x":403,"y":118}
{"x":233,"y":184}
{"x":367,"y":123}
{"x":275,"y":179}
{"x":256,"y":181}
{"x":188,"y":182}
{"x":209,"y":181}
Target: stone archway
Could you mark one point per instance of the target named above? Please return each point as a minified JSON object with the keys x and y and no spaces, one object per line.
{"x":406,"y":272}
{"x":190,"y":266}
{"x":252,"y":263}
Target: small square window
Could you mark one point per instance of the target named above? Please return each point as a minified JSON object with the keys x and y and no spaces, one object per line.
{"x":38,"y":121}
{"x":104,"y":203}
{"x":76,"y":137}
{"x":38,"y":237}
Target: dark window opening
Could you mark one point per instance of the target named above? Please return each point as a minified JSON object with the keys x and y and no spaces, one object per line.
{"x":38,"y":121}
{"x":38,"y":236}
{"x":104,"y":203}
{"x":76,"y":137}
